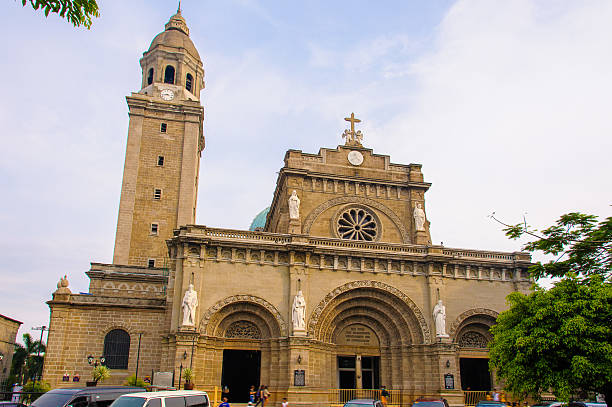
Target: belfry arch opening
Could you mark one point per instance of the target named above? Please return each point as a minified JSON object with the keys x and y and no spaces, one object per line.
{"x":169,"y":75}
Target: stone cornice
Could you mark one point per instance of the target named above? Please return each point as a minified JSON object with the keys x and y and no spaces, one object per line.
{"x":407,"y":254}
{"x":138,"y":101}
{"x":85,"y":300}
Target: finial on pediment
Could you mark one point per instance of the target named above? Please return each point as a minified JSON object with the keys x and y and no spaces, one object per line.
{"x":352,"y":137}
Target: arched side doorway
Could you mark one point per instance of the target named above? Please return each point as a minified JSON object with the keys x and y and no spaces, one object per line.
{"x":370,"y":328}
{"x":471,"y":333}
{"x":243,"y":333}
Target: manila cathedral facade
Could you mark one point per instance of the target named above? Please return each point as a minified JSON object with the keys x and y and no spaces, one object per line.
{"x":335,"y":286}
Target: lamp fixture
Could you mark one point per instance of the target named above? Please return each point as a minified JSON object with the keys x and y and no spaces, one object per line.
{"x":185,"y":355}
{"x":447,"y":363}
{"x":299,"y":359}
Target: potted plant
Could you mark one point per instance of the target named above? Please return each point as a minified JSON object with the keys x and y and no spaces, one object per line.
{"x":99,"y":374}
{"x":188,"y":374}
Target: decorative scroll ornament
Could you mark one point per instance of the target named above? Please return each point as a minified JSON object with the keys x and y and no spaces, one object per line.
{"x":473,"y":339}
{"x":243,"y":329}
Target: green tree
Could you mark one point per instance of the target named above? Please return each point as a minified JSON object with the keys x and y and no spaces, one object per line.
{"x":77,"y":12}
{"x":560,"y":339}
{"x":26,"y":363}
{"x":582,"y":246}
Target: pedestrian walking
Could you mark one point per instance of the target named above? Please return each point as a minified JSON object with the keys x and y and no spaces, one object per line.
{"x":258,"y":398}
{"x":252,"y":394}
{"x":265,"y":394}
{"x":384,"y":396}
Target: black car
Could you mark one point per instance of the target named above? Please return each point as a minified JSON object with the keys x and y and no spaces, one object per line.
{"x":83,"y":396}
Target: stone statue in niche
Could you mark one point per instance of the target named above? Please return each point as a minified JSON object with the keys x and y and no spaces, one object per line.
{"x":294,"y":206}
{"x":419,"y":218}
{"x":190,"y":303}
{"x":439,"y":315}
{"x":298,"y":312}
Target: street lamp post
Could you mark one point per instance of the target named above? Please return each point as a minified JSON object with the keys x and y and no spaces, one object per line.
{"x":138,"y":355}
{"x":42,"y":330}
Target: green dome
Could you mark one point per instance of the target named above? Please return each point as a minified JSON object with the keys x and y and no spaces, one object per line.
{"x":260,"y":220}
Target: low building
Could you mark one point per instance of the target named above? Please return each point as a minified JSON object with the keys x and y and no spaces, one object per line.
{"x":8,"y":335}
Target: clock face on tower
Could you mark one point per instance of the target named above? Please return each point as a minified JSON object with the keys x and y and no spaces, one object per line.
{"x":355,"y":157}
{"x":167,"y":94}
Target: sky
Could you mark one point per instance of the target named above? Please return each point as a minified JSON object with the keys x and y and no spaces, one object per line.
{"x":506,"y":104}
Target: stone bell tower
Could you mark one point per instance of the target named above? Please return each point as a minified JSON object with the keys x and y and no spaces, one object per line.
{"x":164,"y":145}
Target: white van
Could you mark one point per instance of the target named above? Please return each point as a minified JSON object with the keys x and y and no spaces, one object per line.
{"x":180,"y":398}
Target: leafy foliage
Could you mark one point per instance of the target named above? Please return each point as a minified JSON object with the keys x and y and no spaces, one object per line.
{"x":36,"y":388}
{"x":132,"y":381}
{"x":188,"y":375}
{"x":583,"y":246}
{"x":558,"y":339}
{"x":100,"y":373}
{"x":77,"y":12}
{"x":25,"y":362}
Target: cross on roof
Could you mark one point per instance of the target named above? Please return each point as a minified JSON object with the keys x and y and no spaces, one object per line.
{"x":353,"y":120}
{"x":352,"y":136}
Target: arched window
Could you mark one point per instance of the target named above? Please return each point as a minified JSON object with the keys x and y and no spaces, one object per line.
{"x":117,"y":349}
{"x":189,"y":82}
{"x":169,"y":75}
{"x":150,"y":77}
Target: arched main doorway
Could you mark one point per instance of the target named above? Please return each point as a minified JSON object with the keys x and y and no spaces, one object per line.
{"x":246,"y":332}
{"x":370,"y":327}
{"x":471,"y":333}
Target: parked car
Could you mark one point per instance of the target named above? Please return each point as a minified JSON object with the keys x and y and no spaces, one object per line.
{"x":430,"y":402}
{"x":180,"y":398}
{"x":363,"y":403}
{"x":101,"y":396}
{"x":586,"y":404}
{"x":490,"y":403}
{"x":11,"y":404}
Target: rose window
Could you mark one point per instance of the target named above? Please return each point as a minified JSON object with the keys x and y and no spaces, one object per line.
{"x":357,"y":224}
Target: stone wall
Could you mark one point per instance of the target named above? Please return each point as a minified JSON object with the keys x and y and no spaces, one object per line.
{"x":8,"y":335}
{"x":79,"y":324}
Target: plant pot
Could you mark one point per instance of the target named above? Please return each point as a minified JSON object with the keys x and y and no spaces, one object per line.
{"x":188,"y":386}
{"x":91,"y":384}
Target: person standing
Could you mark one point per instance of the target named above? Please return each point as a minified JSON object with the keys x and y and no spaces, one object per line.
{"x":224,"y":403}
{"x":384,"y":395}
{"x":252,"y":393}
{"x":265,"y":394}
{"x":285,"y":403}
{"x":258,"y":395}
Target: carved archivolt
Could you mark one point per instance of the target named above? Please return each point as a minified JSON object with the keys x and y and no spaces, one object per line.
{"x":316,"y":314}
{"x":472,"y":339}
{"x":470,"y":313}
{"x":314,"y":214}
{"x":244,"y":298}
{"x":243,"y":329}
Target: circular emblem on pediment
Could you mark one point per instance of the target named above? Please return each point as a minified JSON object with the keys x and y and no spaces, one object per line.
{"x":355,"y":157}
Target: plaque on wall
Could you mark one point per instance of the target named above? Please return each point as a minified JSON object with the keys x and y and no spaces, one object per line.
{"x":299,"y":378}
{"x":449,"y":381}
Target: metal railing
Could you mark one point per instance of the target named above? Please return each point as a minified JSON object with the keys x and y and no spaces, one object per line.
{"x":471,"y":398}
{"x":341,"y":396}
